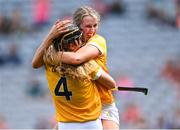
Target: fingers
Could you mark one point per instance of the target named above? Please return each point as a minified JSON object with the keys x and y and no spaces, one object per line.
{"x":61,"y":26}
{"x":76,"y":43}
{"x":80,"y":42}
{"x":62,"y":29}
{"x":62,"y":23}
{"x":58,"y":20}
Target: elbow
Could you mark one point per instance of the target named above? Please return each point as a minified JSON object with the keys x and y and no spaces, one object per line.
{"x":76,"y":60}
{"x":35,"y":65}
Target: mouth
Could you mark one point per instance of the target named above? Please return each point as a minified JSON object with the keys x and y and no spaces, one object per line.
{"x":90,"y":34}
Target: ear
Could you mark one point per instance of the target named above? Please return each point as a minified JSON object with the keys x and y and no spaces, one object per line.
{"x":80,"y":27}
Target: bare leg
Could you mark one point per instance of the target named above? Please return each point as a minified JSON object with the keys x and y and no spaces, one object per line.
{"x":109,"y":125}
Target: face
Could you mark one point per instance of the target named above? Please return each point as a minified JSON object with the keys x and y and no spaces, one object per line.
{"x":89,"y":26}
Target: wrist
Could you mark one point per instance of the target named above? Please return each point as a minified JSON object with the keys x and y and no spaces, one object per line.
{"x":98,"y":74}
{"x":47,"y":41}
{"x":49,"y":38}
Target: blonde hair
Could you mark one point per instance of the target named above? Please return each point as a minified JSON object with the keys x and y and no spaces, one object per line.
{"x":83,"y":71}
{"x":83,"y":11}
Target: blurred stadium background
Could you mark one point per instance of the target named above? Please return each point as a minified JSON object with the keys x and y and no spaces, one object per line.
{"x":143,"y":40}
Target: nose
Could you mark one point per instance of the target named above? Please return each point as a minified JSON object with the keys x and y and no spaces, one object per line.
{"x":92,"y":28}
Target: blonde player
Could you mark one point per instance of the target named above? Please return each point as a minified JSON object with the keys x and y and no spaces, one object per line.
{"x":87,"y":19}
{"x":76,"y":101}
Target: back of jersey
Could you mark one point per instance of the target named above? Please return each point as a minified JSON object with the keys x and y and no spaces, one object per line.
{"x":75,"y":100}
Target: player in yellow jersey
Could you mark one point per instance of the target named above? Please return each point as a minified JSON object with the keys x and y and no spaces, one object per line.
{"x":77,"y":101}
{"x":87,"y":19}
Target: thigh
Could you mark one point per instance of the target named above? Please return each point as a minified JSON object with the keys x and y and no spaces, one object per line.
{"x":109,"y":125}
{"x":110,"y":116}
{"x":90,"y":125}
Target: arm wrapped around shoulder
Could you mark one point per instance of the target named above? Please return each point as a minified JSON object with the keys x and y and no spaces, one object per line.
{"x":85,"y":71}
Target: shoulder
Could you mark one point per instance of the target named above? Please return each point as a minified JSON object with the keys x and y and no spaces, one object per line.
{"x":97,"y":37}
{"x":99,"y":42}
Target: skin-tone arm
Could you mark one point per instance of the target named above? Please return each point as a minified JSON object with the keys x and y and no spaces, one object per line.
{"x":106,"y":80}
{"x":58,"y":28}
{"x":84,"y":54}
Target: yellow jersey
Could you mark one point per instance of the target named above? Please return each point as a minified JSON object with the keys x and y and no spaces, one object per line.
{"x":100,"y":43}
{"x":75,"y":100}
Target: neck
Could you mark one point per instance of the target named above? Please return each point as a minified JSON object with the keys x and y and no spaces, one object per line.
{"x":85,"y":39}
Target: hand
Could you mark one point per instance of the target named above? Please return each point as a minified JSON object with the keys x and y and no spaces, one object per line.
{"x":58,"y":28}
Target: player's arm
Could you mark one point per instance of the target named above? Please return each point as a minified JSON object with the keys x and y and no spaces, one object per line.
{"x":37,"y":60}
{"x":105,"y":79}
{"x":84,"y":54}
{"x":58,"y":28}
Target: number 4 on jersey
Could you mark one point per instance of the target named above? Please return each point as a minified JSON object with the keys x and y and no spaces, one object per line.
{"x":65,"y":93}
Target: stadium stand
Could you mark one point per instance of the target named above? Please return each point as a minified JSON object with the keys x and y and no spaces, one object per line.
{"x":136,"y":45}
